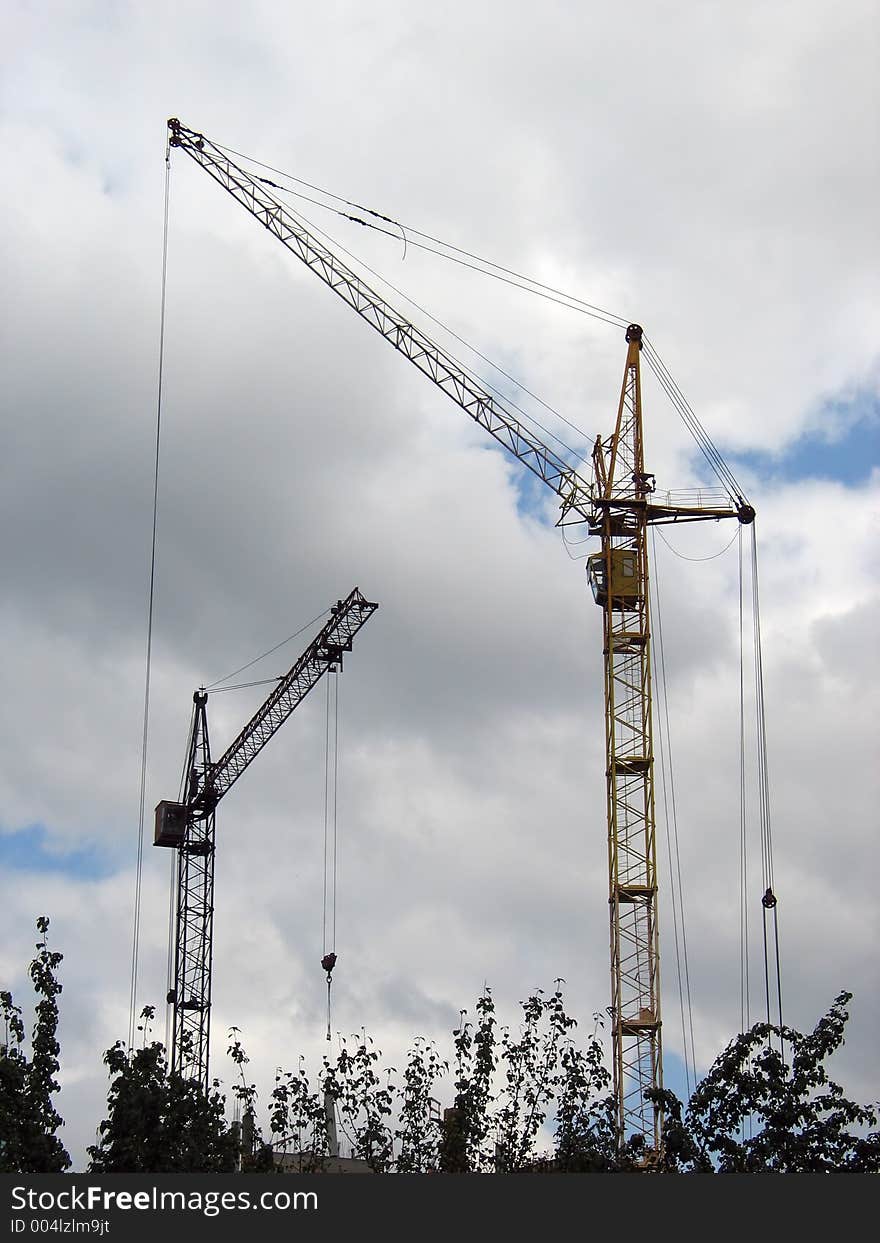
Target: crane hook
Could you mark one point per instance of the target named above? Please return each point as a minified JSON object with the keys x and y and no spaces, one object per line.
{"x":328,"y":962}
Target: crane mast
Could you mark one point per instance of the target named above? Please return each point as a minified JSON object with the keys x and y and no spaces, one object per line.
{"x":618,"y":505}
{"x":189,"y":826}
{"x":619,"y":579}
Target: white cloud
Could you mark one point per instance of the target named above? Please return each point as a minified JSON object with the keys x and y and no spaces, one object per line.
{"x":700,"y":168}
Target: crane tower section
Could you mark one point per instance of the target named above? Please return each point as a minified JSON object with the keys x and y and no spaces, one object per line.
{"x":618,"y":577}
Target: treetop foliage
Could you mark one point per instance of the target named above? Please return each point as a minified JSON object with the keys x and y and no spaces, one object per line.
{"x":28,"y":1118}
{"x":527,"y":1099}
{"x":768,"y":1105}
{"x":157,"y":1121}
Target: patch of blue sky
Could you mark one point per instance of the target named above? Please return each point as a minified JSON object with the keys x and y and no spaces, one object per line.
{"x":31,"y":850}
{"x":531,"y":494}
{"x":562,"y":441}
{"x":674,"y":1077}
{"x":844,"y":447}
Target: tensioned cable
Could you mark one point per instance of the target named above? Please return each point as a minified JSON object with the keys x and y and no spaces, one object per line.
{"x":517,"y":279}
{"x":511,"y":277}
{"x":331,"y":774}
{"x":336,"y":682}
{"x":257,"y":659}
{"x":745,"y":998}
{"x":408,"y":232}
{"x":243,"y":686}
{"x":310,"y":224}
{"x":673,"y":849}
{"x":136,"y":921}
{"x":744,"y":940}
{"x":617,"y":321}
{"x":662,"y":373}
{"x":689,"y":418}
{"x":482,"y":266}
{"x":769,"y":901}
{"x":468,"y":370}
{"x":684,"y":409}
{"x":184,"y":773}
{"x":331,"y":795}
{"x":674,"y":897}
{"x":325,"y":948}
{"x":766,"y":877}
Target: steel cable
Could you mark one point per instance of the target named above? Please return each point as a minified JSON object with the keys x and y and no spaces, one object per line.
{"x":136,"y":920}
{"x":512,"y":277}
{"x":409,"y":232}
{"x":257,"y":659}
{"x":674,"y":851}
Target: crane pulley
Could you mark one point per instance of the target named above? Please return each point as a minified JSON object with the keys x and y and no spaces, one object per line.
{"x":618,"y":503}
{"x":189,"y":826}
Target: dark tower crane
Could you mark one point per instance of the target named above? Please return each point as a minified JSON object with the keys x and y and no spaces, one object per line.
{"x":188,"y":827}
{"x":618,"y":505}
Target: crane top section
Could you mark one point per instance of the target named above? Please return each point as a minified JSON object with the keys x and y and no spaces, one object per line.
{"x":323,"y":655}
{"x":489,"y":410}
{"x":581,"y":500}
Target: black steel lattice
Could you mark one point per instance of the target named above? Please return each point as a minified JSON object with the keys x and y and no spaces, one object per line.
{"x":208,"y":782}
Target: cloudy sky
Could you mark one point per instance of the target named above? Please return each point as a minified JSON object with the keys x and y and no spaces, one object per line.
{"x":704,"y":168}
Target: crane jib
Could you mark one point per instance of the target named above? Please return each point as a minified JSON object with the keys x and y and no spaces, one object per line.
{"x":325,"y":652}
{"x":489,"y":410}
{"x":577,"y":495}
{"x":326,"y":649}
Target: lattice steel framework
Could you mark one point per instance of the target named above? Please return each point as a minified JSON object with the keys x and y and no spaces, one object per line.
{"x":195,"y":914}
{"x":615,"y":505}
{"x":622,"y":498}
{"x":487,"y":409}
{"x":190,"y":826}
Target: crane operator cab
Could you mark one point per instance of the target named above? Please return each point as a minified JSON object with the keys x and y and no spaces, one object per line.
{"x":625,"y":586}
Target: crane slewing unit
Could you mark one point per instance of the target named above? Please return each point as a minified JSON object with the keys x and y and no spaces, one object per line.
{"x":618,"y":504}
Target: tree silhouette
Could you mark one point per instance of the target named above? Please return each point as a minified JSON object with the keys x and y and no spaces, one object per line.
{"x":157,"y":1121}
{"x":28,"y":1117}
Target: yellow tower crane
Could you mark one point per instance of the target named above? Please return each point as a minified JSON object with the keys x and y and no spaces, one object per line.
{"x":618,"y":504}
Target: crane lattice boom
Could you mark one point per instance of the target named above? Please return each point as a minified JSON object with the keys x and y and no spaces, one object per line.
{"x":489,"y":410}
{"x":325,"y":650}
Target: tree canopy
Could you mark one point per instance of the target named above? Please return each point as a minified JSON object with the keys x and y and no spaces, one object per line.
{"x":28,"y":1117}
{"x":531,"y":1098}
{"x":158,"y":1122}
{"x":767,"y":1105}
